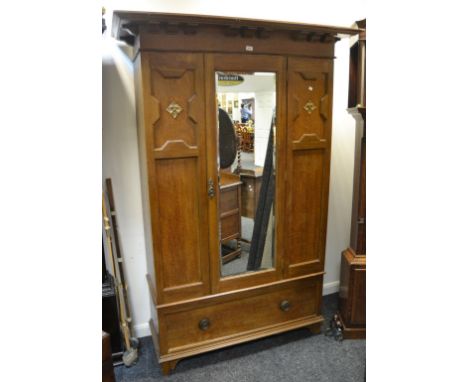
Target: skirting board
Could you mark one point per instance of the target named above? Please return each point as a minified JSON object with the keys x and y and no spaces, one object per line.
{"x":332,"y":287}
{"x":143,"y":330}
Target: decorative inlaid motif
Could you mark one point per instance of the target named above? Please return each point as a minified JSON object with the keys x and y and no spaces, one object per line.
{"x":309,"y":107}
{"x":174,"y":109}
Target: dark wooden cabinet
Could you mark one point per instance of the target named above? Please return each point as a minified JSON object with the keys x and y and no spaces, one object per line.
{"x":251,"y":183}
{"x":107,"y":366}
{"x":352,"y":308}
{"x":190,"y":209}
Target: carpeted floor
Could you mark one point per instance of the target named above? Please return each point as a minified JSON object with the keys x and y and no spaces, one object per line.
{"x":293,"y":356}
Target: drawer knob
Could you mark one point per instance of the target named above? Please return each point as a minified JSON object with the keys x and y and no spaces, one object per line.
{"x":285,"y":305}
{"x":204,"y":324}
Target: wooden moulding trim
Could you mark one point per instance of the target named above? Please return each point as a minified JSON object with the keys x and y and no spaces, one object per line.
{"x":309,"y":142}
{"x":229,"y":238}
{"x":352,"y":333}
{"x":154,"y":335}
{"x":229,"y":213}
{"x":151,"y":289}
{"x":202,"y":347}
{"x":153,"y":109}
{"x":169,"y":73}
{"x":358,"y":112}
{"x":241,"y":276}
{"x":324,"y":106}
{"x":230,"y":185}
{"x":214,"y":299}
{"x":353,"y":258}
{"x":175,"y":149}
{"x":179,"y":287}
{"x":304,"y":263}
{"x":130,"y":20}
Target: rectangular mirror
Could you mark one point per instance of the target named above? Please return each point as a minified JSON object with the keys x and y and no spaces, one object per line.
{"x":246,"y":171}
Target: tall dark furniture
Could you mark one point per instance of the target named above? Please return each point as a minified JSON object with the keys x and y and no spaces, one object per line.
{"x":352,"y":309}
{"x":107,"y":368}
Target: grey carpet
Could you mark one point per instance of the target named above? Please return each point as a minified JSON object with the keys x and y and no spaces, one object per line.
{"x":293,"y":356}
{"x":236,"y":266}
{"x":239,"y":265}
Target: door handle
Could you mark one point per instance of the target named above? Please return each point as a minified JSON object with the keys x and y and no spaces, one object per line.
{"x":211,"y":190}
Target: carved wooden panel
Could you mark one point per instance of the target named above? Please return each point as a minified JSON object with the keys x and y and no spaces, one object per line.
{"x":175,"y":123}
{"x":309,"y":98}
{"x":176,"y":91}
{"x":308,"y":163}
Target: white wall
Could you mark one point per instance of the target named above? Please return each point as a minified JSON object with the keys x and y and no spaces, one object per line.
{"x":120,"y":150}
{"x":120,"y":163}
{"x":341,"y":171}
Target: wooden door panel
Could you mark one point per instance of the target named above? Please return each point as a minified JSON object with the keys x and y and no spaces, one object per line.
{"x":180,"y":262}
{"x":175,"y":122}
{"x":308,"y":153}
{"x":305,"y":230}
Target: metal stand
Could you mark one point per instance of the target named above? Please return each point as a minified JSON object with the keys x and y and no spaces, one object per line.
{"x":335,"y":329}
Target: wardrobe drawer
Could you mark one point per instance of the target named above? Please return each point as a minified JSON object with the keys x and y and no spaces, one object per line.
{"x":239,"y":314}
{"x":230,"y":227}
{"x":229,"y":199}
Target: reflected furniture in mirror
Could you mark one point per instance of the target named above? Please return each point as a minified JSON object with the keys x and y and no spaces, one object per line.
{"x":269,"y":204}
{"x":230,"y":215}
{"x":251,"y":182}
{"x":229,"y":188}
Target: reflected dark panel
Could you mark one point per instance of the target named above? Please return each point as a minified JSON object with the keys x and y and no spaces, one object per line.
{"x":264,"y":209}
{"x":227,"y":140}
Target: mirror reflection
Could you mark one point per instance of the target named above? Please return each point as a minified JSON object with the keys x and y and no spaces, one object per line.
{"x":246,"y":170}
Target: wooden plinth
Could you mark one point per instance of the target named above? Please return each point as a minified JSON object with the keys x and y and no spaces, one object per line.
{"x":352,"y":310}
{"x":350,"y":333}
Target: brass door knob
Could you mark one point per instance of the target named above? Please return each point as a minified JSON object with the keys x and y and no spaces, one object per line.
{"x":285,"y":305}
{"x":204,"y":324}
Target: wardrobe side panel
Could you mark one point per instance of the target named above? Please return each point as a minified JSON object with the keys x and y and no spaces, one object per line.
{"x":142,"y":148}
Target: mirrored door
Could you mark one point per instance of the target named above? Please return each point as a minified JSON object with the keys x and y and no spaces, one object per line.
{"x":246,"y":160}
{"x":246,"y":170}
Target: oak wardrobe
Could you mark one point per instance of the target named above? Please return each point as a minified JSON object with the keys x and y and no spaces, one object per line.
{"x":274,"y":81}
